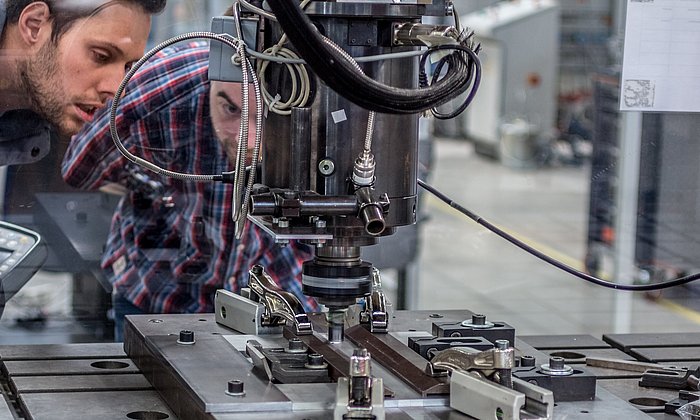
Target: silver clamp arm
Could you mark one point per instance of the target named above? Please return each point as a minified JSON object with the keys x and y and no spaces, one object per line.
{"x":481,"y":385}
{"x":279,"y":304}
{"x":376,"y":313}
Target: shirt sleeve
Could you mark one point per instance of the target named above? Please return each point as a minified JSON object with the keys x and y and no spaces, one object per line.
{"x":92,"y":159}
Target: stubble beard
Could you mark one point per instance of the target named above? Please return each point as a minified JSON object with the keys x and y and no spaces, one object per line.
{"x":39,"y":78}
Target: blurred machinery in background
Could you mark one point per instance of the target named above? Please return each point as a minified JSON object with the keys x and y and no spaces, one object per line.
{"x":667,"y":201}
{"x":514,"y":114}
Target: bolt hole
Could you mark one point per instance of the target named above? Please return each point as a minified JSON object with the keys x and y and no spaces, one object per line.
{"x":147,"y":415}
{"x":35,"y":152}
{"x":648,"y":401}
{"x":222,"y":311}
{"x":584,"y":411}
{"x":499,"y":413}
{"x":569,"y":355}
{"x":109,"y":364}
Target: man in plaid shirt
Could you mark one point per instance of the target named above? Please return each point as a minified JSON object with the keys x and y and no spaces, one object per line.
{"x":172,"y":242}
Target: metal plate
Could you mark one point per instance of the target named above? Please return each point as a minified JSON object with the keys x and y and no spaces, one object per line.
{"x":203,"y":371}
{"x":130,"y":382}
{"x":605,"y":406}
{"x":163,"y":324}
{"x":574,"y":341}
{"x":666,"y":354}
{"x":69,"y":367}
{"x":629,"y":390}
{"x":407,"y":413}
{"x":6,"y":413}
{"x":94,"y":405}
{"x":63,"y":351}
{"x":625,"y":342}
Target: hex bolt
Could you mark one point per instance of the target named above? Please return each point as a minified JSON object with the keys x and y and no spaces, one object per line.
{"x":283,"y":223}
{"x":295,"y":345}
{"x":502,"y":344}
{"x":186,"y":337}
{"x":315,"y":361}
{"x":235,"y":388}
{"x":527,"y":361}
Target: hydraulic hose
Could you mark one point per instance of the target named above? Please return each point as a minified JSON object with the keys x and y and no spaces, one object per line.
{"x":341,"y":76}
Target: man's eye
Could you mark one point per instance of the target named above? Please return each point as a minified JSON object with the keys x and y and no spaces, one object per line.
{"x":231,"y":109}
{"x":100,"y":57}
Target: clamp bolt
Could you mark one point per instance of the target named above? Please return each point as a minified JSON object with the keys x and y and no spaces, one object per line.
{"x":295,"y":345}
{"x":527,"y":361}
{"x":186,"y":337}
{"x":235,"y":388}
{"x":556,"y":367}
{"x":502,"y":344}
{"x":478,"y":321}
{"x":315,"y":361}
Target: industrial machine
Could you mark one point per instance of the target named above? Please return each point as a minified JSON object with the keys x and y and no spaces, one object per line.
{"x":343,"y":98}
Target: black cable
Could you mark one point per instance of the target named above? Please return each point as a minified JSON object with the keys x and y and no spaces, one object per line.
{"x":546,"y":258}
{"x":342,"y":77}
{"x":471,"y":63}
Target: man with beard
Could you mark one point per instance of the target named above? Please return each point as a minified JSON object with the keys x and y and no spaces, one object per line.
{"x":62,"y":60}
{"x":172,"y":243}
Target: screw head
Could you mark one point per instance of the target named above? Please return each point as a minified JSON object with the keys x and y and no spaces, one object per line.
{"x":502,"y":344}
{"x":186,"y":337}
{"x":527,"y":361}
{"x":315,"y":361}
{"x":326,"y":167}
{"x":235,"y":388}
{"x":295,"y":345}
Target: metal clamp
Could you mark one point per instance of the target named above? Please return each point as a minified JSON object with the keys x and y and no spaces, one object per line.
{"x":482,"y":386}
{"x":279,"y":304}
{"x":376,"y":313}
{"x":360,"y":396}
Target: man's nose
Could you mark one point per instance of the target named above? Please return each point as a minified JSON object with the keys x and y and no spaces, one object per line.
{"x":109,"y":82}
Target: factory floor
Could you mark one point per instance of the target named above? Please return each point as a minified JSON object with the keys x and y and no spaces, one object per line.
{"x":460,"y":264}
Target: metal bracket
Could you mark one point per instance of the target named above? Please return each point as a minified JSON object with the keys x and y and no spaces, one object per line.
{"x":241,"y":314}
{"x":483,"y":399}
{"x":279,"y":304}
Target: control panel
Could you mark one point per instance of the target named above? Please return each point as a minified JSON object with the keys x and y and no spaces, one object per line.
{"x":22,"y":253}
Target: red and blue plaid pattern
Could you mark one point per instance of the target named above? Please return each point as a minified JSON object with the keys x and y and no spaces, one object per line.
{"x":171,"y":247}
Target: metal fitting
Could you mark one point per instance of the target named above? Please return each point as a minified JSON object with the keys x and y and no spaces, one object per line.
{"x":556,"y":367}
{"x":478,"y":321}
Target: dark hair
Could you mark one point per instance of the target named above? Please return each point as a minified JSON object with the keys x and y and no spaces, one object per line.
{"x":64,"y":13}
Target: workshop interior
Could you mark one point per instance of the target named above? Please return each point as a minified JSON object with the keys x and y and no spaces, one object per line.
{"x":503,"y":215}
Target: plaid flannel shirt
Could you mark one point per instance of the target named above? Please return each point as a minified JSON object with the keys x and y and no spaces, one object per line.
{"x":172,"y":243}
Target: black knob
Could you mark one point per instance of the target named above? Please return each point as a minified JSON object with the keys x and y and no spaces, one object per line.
{"x":235,"y":387}
{"x":479,"y":319}
{"x":186,"y":337}
{"x":527,"y":361}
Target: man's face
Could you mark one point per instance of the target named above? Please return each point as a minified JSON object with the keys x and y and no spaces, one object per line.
{"x":69,"y":80}
{"x":225,"y":104}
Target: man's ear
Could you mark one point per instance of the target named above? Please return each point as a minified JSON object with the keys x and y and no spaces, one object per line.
{"x":34,"y":24}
